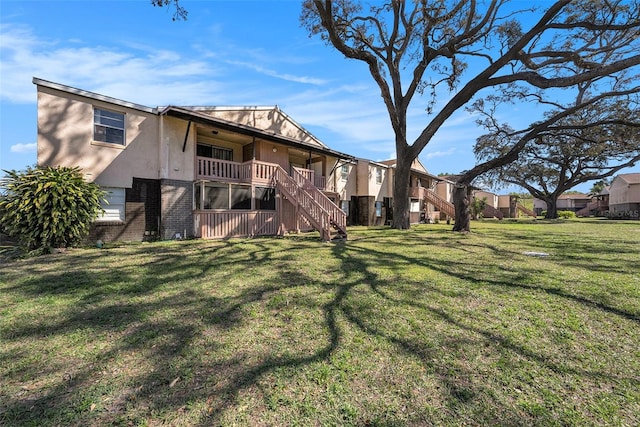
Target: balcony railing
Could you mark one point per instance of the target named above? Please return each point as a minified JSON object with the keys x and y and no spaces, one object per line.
{"x":253,"y":171}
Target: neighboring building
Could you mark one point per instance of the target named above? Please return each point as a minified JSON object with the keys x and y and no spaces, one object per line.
{"x":624,"y":196}
{"x":598,"y":206}
{"x":178,"y":172}
{"x":566,"y":202}
{"x":423,"y":201}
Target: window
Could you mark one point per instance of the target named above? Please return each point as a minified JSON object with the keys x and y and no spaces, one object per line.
{"x":240,"y":197}
{"x":415,"y":205}
{"x":265,"y":198}
{"x":378,"y":175}
{"x":114,"y":206}
{"x":211,"y":195}
{"x":213,"y":152}
{"x":378,"y":209}
{"x":216,"y":196}
{"x":108,"y":126}
{"x":344,"y":172}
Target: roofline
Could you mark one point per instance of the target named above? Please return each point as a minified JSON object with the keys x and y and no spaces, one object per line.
{"x":93,"y":95}
{"x":186,"y":114}
{"x":419,"y":172}
{"x":256,"y":108}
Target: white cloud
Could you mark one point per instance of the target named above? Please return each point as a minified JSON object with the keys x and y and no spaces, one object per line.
{"x":275,"y":74}
{"x":25,"y":55}
{"x":24,"y":148}
{"x":434,"y":154}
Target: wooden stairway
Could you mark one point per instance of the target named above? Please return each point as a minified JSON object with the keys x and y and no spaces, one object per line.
{"x":322,"y":213}
{"x":490,"y":212}
{"x":586,"y":211}
{"x":526,"y":211}
{"x":440,"y":203}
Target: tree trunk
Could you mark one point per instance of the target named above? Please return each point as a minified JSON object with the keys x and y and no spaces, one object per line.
{"x":462,"y":202}
{"x":401,"y":180}
{"x":552,"y":208}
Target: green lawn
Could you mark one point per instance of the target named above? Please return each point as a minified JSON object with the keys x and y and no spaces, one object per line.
{"x":420,"y":327}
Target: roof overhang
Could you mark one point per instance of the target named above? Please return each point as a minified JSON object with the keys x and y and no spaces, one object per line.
{"x":205,"y":119}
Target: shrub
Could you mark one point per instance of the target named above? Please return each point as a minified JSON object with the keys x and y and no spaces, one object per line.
{"x":46,"y":208}
{"x":566,"y":214}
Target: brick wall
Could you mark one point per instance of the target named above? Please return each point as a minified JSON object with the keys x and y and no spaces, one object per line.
{"x":141,"y":217}
{"x":176,"y":208}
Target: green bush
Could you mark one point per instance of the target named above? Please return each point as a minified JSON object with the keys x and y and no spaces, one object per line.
{"x":46,"y":208}
{"x":566,"y":214}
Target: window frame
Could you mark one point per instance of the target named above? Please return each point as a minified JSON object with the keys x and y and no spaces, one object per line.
{"x":109,"y":126}
{"x":248,"y":193}
{"x":344,"y":172}
{"x":112,"y":209}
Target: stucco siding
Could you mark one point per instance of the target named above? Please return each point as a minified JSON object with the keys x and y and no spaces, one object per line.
{"x":65,"y":138}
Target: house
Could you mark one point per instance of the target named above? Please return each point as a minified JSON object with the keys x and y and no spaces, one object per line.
{"x":177,"y":172}
{"x":624,"y":196}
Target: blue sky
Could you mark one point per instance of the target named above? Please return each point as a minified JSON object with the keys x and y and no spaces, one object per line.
{"x":226,"y":53}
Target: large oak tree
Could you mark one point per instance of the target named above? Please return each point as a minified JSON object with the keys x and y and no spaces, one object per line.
{"x":474,"y":49}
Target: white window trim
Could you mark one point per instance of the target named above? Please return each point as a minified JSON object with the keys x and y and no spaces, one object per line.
{"x":106,"y":143}
{"x":115,"y":208}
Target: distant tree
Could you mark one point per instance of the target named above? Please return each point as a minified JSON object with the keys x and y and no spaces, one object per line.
{"x":47,"y":208}
{"x":592,"y":143}
{"x":600,"y":185}
{"x":416,"y":47}
{"x":477,"y":206}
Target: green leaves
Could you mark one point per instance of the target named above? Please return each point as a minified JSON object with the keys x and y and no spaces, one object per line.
{"x":47,"y":208}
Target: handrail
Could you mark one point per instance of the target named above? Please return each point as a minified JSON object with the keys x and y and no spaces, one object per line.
{"x":440,"y":203}
{"x":334,"y":211}
{"x":315,"y":213}
{"x":525,"y":211}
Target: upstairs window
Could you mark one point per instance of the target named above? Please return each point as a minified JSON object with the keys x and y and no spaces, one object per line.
{"x":108,"y":126}
{"x":378,"y":175}
{"x":344,"y":172}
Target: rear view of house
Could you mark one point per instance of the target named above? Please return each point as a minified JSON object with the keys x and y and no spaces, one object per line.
{"x":177,"y":172}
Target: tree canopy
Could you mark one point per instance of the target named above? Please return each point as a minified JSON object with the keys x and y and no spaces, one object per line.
{"x":496,"y":51}
{"x":592,"y":143}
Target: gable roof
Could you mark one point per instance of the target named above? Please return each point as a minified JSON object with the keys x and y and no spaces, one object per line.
{"x":417,"y":168}
{"x":207,"y":119}
{"x":573,"y":196}
{"x":268,"y":118}
{"x":630,"y":178}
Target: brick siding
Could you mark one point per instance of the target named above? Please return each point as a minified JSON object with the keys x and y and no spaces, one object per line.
{"x":177,"y":209}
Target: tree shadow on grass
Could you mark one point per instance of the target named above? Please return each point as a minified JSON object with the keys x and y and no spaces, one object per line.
{"x":170,"y":347}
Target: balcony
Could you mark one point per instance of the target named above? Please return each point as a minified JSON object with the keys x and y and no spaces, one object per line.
{"x":253,"y":171}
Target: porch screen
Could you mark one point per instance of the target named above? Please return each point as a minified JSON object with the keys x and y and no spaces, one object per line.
{"x":265,"y":198}
{"x":240,"y":197}
{"x":216,"y":196}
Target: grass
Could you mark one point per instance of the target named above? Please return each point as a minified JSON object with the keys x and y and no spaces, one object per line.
{"x":419,"y":327}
